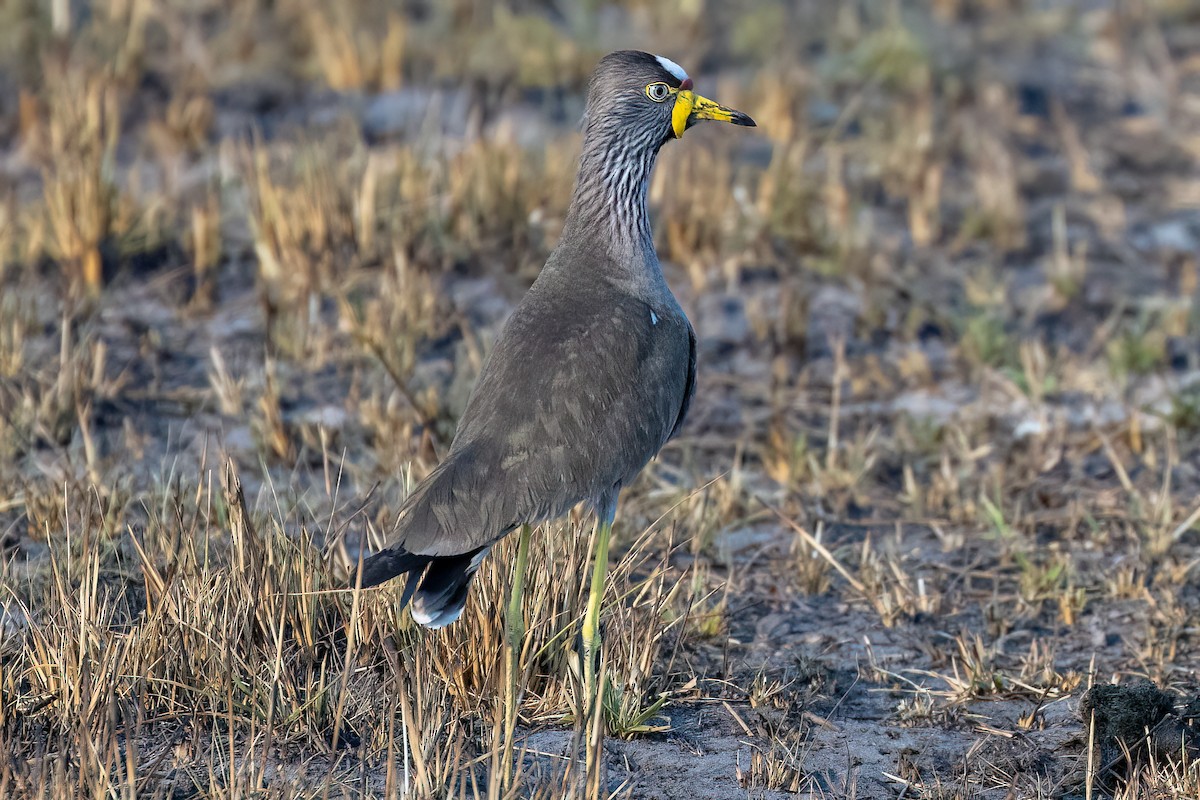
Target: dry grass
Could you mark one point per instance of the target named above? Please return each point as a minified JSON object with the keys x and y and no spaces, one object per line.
{"x":940,"y":475}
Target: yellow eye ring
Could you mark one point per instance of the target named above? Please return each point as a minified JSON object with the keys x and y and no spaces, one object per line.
{"x":658,"y":91}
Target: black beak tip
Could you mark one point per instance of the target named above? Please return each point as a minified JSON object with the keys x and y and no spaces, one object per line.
{"x":743,"y":119}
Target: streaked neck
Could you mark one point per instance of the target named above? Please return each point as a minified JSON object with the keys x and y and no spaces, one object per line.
{"x":609,"y":206}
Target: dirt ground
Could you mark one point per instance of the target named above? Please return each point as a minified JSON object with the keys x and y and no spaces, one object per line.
{"x":940,"y":476}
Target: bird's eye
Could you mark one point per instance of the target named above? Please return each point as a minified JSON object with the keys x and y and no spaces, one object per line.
{"x":658,"y":92}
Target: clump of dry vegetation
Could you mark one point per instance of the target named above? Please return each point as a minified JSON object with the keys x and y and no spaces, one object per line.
{"x":940,"y":477}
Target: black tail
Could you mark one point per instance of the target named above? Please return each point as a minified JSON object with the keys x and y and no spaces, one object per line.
{"x":387,"y":564}
{"x":440,"y":594}
{"x":443,"y":591}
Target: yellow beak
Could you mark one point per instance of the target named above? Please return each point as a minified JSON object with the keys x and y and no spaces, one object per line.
{"x":690,"y":107}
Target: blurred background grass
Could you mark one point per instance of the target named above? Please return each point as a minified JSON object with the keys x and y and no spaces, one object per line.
{"x":949,"y":282}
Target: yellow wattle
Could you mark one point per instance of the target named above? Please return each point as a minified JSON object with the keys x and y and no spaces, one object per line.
{"x":685,"y":100}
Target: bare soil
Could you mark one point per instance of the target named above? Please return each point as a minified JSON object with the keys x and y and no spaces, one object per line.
{"x":940,"y":486}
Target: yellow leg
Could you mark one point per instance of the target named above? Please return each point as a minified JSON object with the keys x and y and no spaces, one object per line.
{"x":515,"y":619}
{"x":593,"y":674}
{"x":591,"y":619}
{"x":515,"y":630}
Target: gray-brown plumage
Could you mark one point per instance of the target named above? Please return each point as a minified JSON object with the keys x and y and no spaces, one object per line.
{"x":592,"y":373}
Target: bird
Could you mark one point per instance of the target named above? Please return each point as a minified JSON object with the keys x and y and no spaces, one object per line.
{"x":592,"y":373}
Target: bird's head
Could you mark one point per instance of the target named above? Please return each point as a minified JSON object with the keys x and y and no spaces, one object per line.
{"x":650,"y":95}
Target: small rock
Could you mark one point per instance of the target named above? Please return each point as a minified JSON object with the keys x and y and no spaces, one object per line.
{"x":722,"y":319}
{"x":734,"y":542}
{"x":1029,"y":427}
{"x":833,"y":313}
{"x":928,"y":406}
{"x":1176,"y":235}
{"x":483,"y":300}
{"x":403,"y":114}
{"x":332,"y":417}
{"x":13,"y":621}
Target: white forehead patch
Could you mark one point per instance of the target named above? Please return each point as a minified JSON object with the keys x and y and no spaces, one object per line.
{"x":673,"y":68}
